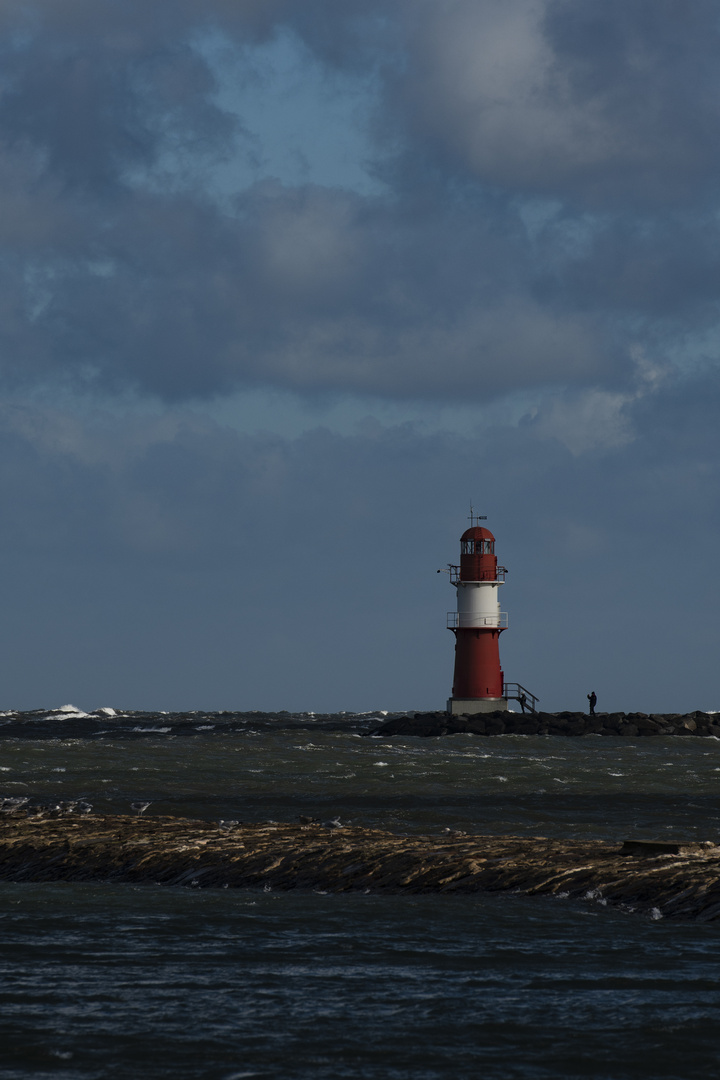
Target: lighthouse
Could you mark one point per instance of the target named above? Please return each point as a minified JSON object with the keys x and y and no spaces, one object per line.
{"x":477,"y":624}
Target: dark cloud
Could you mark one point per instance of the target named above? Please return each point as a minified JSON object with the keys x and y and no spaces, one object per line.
{"x":548,"y":201}
{"x":311,"y":289}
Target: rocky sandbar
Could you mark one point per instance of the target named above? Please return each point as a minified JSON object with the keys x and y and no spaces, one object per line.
{"x":671,"y":881}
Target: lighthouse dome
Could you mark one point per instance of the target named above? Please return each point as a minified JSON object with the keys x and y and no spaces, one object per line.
{"x":477,"y":533}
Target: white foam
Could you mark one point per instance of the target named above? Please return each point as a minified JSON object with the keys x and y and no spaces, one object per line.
{"x":67,"y":712}
{"x":159,"y":730}
{"x":105,"y":712}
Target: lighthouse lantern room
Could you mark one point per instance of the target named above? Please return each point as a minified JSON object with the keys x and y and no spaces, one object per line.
{"x":477,"y":624}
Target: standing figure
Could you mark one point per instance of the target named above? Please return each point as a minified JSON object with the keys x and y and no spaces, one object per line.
{"x":592,"y":698}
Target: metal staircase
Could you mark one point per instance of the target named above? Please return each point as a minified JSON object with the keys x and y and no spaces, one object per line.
{"x":528,"y":701}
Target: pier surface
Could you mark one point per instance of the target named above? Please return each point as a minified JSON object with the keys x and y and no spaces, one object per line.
{"x":671,"y":881}
{"x":630,"y":725}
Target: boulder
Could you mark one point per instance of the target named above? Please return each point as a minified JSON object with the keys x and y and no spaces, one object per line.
{"x":647,"y":726}
{"x":493,"y":724}
{"x":476,"y":725}
{"x":526,"y":726}
{"x":557,"y":726}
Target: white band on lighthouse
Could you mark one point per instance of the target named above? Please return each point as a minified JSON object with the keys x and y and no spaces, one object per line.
{"x":478,"y":604}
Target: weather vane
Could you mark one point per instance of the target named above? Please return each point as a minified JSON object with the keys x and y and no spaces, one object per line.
{"x":476,"y":517}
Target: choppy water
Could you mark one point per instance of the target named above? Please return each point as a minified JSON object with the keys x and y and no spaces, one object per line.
{"x":116,"y":981}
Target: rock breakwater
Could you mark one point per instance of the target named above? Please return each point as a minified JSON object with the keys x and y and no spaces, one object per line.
{"x":663,"y":880}
{"x":629,"y":725}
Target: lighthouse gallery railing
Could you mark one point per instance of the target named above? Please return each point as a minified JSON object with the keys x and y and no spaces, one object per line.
{"x":455,"y":574}
{"x":471,"y":622}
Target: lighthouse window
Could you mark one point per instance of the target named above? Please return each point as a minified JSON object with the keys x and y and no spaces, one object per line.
{"x":478,"y":547}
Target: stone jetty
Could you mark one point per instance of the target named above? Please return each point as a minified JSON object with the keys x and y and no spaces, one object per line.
{"x":660,"y":879}
{"x":630,"y":725}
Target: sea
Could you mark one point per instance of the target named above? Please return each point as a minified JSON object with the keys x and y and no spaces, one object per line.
{"x":108,"y":980}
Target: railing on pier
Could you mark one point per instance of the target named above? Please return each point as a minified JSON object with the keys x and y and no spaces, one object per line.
{"x":520,"y":693}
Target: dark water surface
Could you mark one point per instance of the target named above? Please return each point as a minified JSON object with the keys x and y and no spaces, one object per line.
{"x":123,"y":981}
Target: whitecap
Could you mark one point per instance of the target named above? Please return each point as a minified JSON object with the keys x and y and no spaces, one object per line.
{"x":105,"y":712}
{"x":147,"y":730}
{"x":63,"y":714}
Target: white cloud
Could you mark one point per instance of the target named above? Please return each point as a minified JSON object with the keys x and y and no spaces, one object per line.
{"x":545,"y":95}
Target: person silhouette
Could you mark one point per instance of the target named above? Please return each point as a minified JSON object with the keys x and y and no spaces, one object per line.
{"x":592,"y":698}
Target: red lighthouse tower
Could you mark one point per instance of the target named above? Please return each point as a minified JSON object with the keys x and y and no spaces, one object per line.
{"x":477,"y":624}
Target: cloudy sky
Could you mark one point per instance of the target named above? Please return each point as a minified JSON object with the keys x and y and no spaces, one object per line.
{"x":286,"y":284}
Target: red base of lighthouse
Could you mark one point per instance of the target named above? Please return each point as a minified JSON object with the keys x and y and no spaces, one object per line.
{"x":477,"y":664}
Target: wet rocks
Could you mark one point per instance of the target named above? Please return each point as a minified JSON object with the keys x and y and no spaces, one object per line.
{"x":627,"y":725}
{"x":662,"y":879}
{"x":665,"y":847}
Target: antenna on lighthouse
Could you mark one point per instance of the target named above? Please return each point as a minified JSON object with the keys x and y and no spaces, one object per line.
{"x":476,"y":517}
